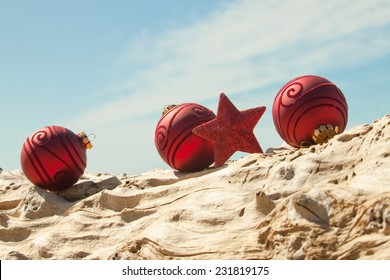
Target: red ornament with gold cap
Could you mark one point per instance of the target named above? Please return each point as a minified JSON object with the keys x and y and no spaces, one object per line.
{"x":309,"y":110}
{"x":177,"y":145}
{"x":54,"y":157}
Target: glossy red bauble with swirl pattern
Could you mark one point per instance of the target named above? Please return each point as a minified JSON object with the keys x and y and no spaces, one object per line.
{"x":309,"y":110}
{"x":177,"y":145}
{"x":53,"y":158}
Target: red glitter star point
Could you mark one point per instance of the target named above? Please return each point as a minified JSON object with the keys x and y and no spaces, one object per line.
{"x":231,"y":130}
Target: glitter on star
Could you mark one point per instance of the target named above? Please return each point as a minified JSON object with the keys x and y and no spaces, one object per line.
{"x":231,"y":130}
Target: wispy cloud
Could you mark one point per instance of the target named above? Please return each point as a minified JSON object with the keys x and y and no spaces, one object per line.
{"x":244,"y":46}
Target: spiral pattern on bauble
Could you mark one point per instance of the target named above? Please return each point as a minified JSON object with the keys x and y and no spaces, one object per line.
{"x":41,"y":138}
{"x":161,"y":137}
{"x":64,"y":178}
{"x":201,"y":111}
{"x":291,"y":93}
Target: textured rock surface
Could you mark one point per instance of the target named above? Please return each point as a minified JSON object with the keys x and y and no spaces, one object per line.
{"x":323,"y":202}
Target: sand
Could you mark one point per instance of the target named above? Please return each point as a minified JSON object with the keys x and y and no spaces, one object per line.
{"x":328,"y":201}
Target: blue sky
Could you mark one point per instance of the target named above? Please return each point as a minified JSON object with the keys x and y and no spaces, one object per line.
{"x":108,"y":67}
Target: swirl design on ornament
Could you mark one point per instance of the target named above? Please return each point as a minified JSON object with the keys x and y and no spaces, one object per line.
{"x":161,"y":137}
{"x":63,"y":179}
{"x":41,"y":138}
{"x":291,"y":93}
{"x":201,"y":112}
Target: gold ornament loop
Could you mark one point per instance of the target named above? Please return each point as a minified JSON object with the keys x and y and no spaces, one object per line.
{"x":324,"y":133}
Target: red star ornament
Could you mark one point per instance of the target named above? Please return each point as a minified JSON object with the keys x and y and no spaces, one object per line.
{"x":231,"y":130}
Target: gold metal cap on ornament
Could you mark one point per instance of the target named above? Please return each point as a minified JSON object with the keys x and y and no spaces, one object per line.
{"x":324,"y":132}
{"x":167,"y":108}
{"x":86,"y":141}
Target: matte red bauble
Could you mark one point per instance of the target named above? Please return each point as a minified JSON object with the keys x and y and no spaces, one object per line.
{"x":54,"y":157}
{"x":177,"y":145}
{"x":309,"y":110}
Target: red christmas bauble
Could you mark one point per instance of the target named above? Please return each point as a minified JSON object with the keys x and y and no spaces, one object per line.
{"x":175,"y":142}
{"x":54,"y":157}
{"x":309,"y":110}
